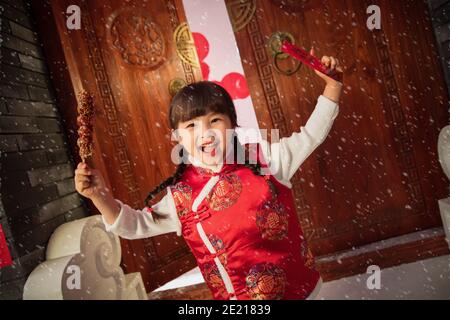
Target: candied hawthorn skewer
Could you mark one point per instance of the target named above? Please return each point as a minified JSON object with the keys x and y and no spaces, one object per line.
{"x":84,"y":122}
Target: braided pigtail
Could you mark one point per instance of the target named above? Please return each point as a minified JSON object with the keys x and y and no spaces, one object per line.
{"x":242,"y":152}
{"x":168,"y":182}
{"x":254,"y":167}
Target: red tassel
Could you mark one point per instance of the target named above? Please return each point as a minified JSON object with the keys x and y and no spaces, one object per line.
{"x":5,"y":256}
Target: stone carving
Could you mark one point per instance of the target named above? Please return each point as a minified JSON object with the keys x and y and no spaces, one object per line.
{"x":83,"y":263}
{"x":444,"y":150}
{"x":444,"y":159}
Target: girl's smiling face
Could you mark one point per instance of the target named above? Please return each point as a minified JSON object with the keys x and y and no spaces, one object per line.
{"x":205,"y":137}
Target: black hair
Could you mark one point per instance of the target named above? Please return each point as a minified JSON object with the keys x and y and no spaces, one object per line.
{"x":199,"y":99}
{"x":195,"y":100}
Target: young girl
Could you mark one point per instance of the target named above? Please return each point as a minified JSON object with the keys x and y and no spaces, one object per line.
{"x":241,"y":226}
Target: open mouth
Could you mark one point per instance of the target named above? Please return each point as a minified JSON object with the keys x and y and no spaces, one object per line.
{"x":210,"y":147}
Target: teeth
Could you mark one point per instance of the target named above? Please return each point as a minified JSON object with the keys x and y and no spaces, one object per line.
{"x":208,"y":148}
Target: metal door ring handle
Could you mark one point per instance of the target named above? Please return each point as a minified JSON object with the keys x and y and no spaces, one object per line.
{"x":287,"y":72}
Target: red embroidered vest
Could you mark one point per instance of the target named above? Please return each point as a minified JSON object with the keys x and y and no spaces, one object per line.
{"x":245,"y":235}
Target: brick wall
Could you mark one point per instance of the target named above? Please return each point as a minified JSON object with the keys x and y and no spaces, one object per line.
{"x":37,"y":191}
{"x":440,"y":14}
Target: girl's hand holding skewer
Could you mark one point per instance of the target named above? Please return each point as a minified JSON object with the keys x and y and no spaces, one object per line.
{"x":89,"y":182}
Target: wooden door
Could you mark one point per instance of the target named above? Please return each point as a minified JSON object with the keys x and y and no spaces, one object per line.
{"x":126,"y":55}
{"x":377,"y":175}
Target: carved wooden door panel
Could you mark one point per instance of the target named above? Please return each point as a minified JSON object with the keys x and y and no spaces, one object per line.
{"x":126,"y":54}
{"x":377,"y":175}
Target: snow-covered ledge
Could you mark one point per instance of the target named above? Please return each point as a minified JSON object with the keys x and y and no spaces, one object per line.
{"x":444,"y":159}
{"x":83,"y":262}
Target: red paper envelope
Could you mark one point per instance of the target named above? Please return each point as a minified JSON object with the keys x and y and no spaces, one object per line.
{"x":309,"y":60}
{"x":5,"y":256}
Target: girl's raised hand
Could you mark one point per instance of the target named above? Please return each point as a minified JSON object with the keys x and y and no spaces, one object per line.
{"x":89,"y":182}
{"x":333,"y":64}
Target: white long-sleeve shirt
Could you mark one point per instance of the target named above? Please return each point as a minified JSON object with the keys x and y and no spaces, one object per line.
{"x":284,"y":158}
